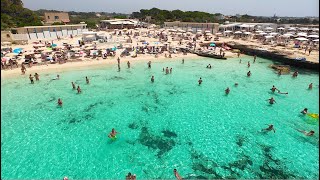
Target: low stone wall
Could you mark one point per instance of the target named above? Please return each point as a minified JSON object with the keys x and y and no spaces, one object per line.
{"x":275,"y":57}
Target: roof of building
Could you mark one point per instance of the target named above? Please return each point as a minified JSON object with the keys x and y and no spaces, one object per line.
{"x":69,"y":25}
{"x":120,"y":21}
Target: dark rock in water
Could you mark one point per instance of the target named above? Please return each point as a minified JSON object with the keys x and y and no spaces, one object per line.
{"x":196,"y":177}
{"x":240,"y":140}
{"x":169,"y":134}
{"x":88,"y":116}
{"x":73,"y":120}
{"x":161,"y":144}
{"x":242,"y":163}
{"x":91,"y":106}
{"x":202,"y":168}
{"x":145,"y":109}
{"x":117,"y":78}
{"x":133,"y":126}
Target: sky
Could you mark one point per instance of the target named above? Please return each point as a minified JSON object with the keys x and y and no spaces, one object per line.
{"x":296,"y":8}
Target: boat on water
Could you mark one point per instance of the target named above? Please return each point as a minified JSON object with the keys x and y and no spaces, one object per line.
{"x":211,"y":55}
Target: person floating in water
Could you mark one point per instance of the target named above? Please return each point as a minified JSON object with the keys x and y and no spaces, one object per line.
{"x":304,"y":111}
{"x":36,"y":75}
{"x":149,"y":64}
{"x":273,"y":89}
{"x":270,"y":128}
{"x":87,"y":80}
{"x":78,"y":89}
{"x":73,"y":85}
{"x":59,"y":102}
{"x":182,"y":61}
{"x":271,"y":100}
{"x":248,"y":64}
{"x":176,"y":174}
{"x":152,"y":79}
{"x":282,"y":92}
{"x":128,"y":63}
{"x":209,"y":66}
{"x":311,"y":133}
{"x":249,"y":73}
{"x":113,"y":133}
{"x":295,"y":74}
{"x":200,"y":81}
{"x":236,"y":84}
{"x":227,"y":90}
{"x":31,"y":79}
{"x":310,"y":86}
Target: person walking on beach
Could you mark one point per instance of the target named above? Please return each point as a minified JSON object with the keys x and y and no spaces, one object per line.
{"x":118,"y":67}
{"x":270,"y":128}
{"x":59,"y":102}
{"x":23,"y":69}
{"x":227,"y":90}
{"x":31,"y":79}
{"x":271,"y":100}
{"x":36,"y":75}
{"x":78,"y":89}
{"x":152,"y":79}
{"x":128,"y":63}
{"x":149,"y":64}
{"x":305,"y":49}
{"x":310,"y":49}
{"x":238,"y":54}
{"x":73,"y":85}
{"x":254,"y":58}
{"x":87,"y":80}
{"x":310,"y":86}
{"x":176,"y":174}
{"x":200,"y":81}
{"x":249,"y":73}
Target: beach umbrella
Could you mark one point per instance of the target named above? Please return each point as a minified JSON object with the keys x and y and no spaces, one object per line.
{"x":301,"y":39}
{"x":28,"y":53}
{"x":17,"y":50}
{"x":207,"y":31}
{"x":227,"y":31}
{"x":304,"y":29}
{"x":316,"y":40}
{"x":53,"y":45}
{"x":292,"y":29}
{"x":238,"y":32}
{"x":302,"y":34}
{"x":269,"y":28}
{"x":268,"y":37}
{"x":199,"y":32}
{"x":263,"y":33}
{"x":280,"y":28}
{"x":38,"y":45}
{"x":247,"y":33}
{"x":209,"y":34}
{"x":212,"y":44}
{"x":259,"y":31}
{"x":190,"y":30}
{"x":313,"y":36}
{"x":272,"y":34}
{"x":315,"y":29}
{"x":288,"y":35}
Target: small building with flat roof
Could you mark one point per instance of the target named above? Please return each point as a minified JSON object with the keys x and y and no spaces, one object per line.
{"x":119,"y":23}
{"x":52,"y":17}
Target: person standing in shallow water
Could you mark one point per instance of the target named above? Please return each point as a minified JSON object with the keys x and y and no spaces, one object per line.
{"x":182,"y":61}
{"x":128,"y":63}
{"x":271,"y":100}
{"x":78,"y":89}
{"x":73,"y":85}
{"x":149,"y":64}
{"x":36,"y":75}
{"x":152,"y":79}
{"x":118,"y":60}
{"x":227,"y":90}
{"x":170,"y":70}
{"x":59,"y":102}
{"x":31,"y":79}
{"x":249,"y":73}
{"x":248,"y":64}
{"x":254,"y":58}
{"x":87,"y":80}
{"x":200,"y":81}
{"x":167,"y":70}
{"x":23,"y":69}
{"x":310,"y":86}
{"x":176,"y":174}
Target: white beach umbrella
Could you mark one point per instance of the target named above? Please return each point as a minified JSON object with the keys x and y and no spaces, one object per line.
{"x":247,"y":33}
{"x":316,"y":40}
{"x":315,"y":29}
{"x":227,"y":31}
{"x":209,"y":34}
{"x":238,"y":32}
{"x":259,"y":31}
{"x":199,"y":30}
{"x":313,"y":36}
{"x":302,"y":34}
{"x":190,"y":30}
{"x":301,"y":39}
{"x":268,"y":37}
{"x":269,"y":28}
{"x":288,"y":34}
{"x":281,"y":28}
{"x":38,"y":45}
{"x":304,"y":29}
{"x":292,"y":29}
{"x":273,"y":34}
{"x":263,"y":33}
{"x":207,"y":31}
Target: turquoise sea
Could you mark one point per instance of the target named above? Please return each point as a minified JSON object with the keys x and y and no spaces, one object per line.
{"x":171,"y":123}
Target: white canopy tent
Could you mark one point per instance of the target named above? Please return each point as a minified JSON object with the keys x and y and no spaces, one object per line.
{"x":301,"y":39}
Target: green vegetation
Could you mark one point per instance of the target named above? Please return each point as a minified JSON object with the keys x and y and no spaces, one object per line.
{"x":13,"y":14}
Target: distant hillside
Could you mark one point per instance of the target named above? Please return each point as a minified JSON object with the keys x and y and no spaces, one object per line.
{"x":13,"y":14}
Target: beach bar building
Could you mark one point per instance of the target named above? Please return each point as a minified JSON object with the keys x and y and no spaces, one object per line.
{"x":48,"y":32}
{"x":186,"y":26}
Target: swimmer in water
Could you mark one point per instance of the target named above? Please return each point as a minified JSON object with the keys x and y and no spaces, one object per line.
{"x":249,"y":73}
{"x":73,"y":85}
{"x":311,"y":133}
{"x":295,"y":74}
{"x":87,"y":80}
{"x":240,"y":61}
{"x":65,"y":178}
{"x":271,"y":100}
{"x":113,"y":133}
{"x":273,"y":89}
{"x":59,"y":102}
{"x":304,"y":111}
{"x":152,"y":79}
{"x":176,"y":174}
{"x":227,"y":90}
{"x":248,"y":64}
{"x":36,"y":75}
{"x":167,"y":70}
{"x":78,"y":89}
{"x":282,"y":92}
{"x":270,"y":128}
{"x":128,"y":63}
{"x":310,"y":86}
{"x":149,"y":64}
{"x":182,"y":61}
{"x":162,"y":69}
{"x":170,"y":70}
{"x":200,"y":81}
{"x":236,"y":84}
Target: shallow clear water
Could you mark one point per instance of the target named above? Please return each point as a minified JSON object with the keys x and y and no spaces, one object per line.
{"x":171,"y":123}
